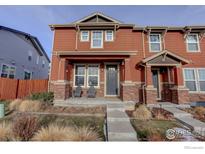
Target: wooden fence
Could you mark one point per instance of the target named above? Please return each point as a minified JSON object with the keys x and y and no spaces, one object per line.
{"x":13,"y":88}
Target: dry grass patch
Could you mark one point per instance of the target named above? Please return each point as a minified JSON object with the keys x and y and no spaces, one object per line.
{"x":14,"y":105}
{"x":5,"y":131}
{"x":30,"y":106}
{"x":142,"y":113}
{"x":55,"y":132}
{"x":200,"y":110}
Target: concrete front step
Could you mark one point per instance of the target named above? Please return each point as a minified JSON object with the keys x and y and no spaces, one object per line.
{"x":196,"y":125}
{"x":177,"y":112}
{"x":120,"y":127}
{"x":122,"y":137}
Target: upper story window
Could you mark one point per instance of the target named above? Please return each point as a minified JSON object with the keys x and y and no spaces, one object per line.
{"x":8,"y":71}
{"x":193,"y":42}
{"x":43,"y":63}
{"x":155,"y":42}
{"x":29,"y":55}
{"x":84,"y":36}
{"x":97,"y":39}
{"x":109,"y":35}
{"x":37,"y":59}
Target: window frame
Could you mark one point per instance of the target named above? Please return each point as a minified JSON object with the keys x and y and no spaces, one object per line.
{"x":74,"y":75}
{"x":30,"y":55}
{"x":8,"y":71}
{"x":27,"y":71}
{"x":98,"y":75}
{"x":198,"y":43}
{"x":81,"y":36}
{"x":106,"y":32}
{"x":197,"y":80}
{"x":86,"y":74}
{"x":160,"y":42}
{"x":92,"y":39}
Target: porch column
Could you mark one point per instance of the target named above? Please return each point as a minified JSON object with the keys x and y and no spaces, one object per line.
{"x":148,"y":75}
{"x":127,"y":71}
{"x":62,"y":69}
{"x":150,"y":91}
{"x":180,"y":94}
{"x":178,"y":76}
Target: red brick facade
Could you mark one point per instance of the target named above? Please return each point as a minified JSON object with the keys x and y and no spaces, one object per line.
{"x":130,"y":51}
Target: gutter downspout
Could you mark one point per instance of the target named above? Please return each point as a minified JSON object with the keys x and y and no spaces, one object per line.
{"x":144,"y":85}
{"x":76,"y":37}
{"x":143,"y":45}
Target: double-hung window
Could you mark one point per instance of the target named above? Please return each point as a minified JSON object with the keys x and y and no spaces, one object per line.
{"x":155,"y":42}
{"x":84,"y":36}
{"x":193,"y":42}
{"x":109,"y":35}
{"x":8,"y":71}
{"x":27,"y":75}
{"x":93,"y":75}
{"x":80,"y":75}
{"x":86,"y":75}
{"x":97,"y":39}
{"x":195,"y":79}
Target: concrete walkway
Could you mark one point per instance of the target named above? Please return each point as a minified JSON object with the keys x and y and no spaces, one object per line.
{"x":119,"y":127}
{"x":185,"y":118}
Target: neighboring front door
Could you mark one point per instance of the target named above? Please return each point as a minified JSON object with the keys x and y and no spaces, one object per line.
{"x":112,"y":80}
{"x":156,"y":82}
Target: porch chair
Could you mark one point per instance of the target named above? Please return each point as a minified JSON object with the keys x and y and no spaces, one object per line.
{"x":91,"y":93}
{"x":77,"y":92}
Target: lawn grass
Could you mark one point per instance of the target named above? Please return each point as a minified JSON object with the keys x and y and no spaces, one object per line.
{"x":153,"y":130}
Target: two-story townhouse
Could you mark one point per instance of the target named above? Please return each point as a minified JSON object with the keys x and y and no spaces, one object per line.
{"x":22,"y":55}
{"x":140,"y":64}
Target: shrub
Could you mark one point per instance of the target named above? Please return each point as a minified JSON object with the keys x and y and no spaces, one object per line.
{"x":200,"y":110}
{"x":14,"y":105}
{"x":24,"y":127}
{"x":86,"y":134}
{"x":142,"y":113}
{"x":5,"y":131}
{"x":54,"y":133}
{"x":46,"y":97}
{"x":30,"y":106}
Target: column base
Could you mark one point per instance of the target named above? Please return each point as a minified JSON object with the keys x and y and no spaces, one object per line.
{"x":150,"y":95}
{"x":129,"y":91}
{"x":61,"y":89}
{"x":180,"y":95}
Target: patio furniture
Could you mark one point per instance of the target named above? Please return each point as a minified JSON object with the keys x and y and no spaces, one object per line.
{"x":77,"y":92}
{"x":91,"y":93}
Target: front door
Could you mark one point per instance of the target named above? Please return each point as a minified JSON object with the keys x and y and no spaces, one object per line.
{"x":156,"y":82}
{"x":112,"y":87}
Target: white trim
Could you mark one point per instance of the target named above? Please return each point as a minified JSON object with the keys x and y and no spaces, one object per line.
{"x":196,"y":75}
{"x":160,"y":38}
{"x":9,"y":70}
{"x":87,"y":75}
{"x":198,"y":43}
{"x":81,"y":36}
{"x":106,"y":36}
{"x":92,"y":39}
{"x":105,"y":73}
{"x":79,"y":75}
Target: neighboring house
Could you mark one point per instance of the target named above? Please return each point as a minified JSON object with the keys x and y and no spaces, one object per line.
{"x":133,"y":63}
{"x":22,"y":56}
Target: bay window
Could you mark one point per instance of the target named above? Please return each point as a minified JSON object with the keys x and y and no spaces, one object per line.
{"x":86,"y":75}
{"x":194,"y":79}
{"x":155,"y":42}
{"x":97,"y":39}
{"x":193,"y":42}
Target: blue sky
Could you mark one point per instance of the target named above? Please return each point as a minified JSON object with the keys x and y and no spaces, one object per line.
{"x":35,"y":19}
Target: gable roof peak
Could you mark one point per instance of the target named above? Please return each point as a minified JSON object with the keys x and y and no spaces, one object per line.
{"x":98,"y":14}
